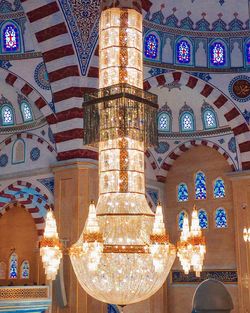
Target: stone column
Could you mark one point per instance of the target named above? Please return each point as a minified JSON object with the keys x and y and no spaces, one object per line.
{"x":241,"y":200}
{"x":76,"y":183}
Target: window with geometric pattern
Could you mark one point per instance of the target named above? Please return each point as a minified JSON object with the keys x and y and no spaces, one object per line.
{"x":219,"y":188}
{"x":7,"y":115}
{"x":182,"y":192}
{"x":164,"y":122}
{"x":13,"y":266}
{"x":200,"y":186}
{"x":203,"y":219}
{"x":26,"y":112}
{"x":221,"y":218}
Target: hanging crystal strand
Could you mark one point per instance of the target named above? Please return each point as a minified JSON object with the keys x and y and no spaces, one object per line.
{"x":183,"y":247}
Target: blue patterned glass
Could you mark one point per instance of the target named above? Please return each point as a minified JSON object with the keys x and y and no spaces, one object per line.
{"x":183,"y":52}
{"x":217,"y":54}
{"x":13,"y":266}
{"x":26,"y":112}
{"x":164,"y":122}
{"x":151,"y":46}
{"x":7,"y":115}
{"x":219,"y":188}
{"x":210,"y":119}
{"x":181,"y":216}
{"x":248,"y":52}
{"x":10,"y":38}
{"x":25,"y":268}
{"x":200,"y":186}
{"x":187,"y":122}
{"x":221,"y":218}
{"x":203,"y":219}
{"x":182,"y":192}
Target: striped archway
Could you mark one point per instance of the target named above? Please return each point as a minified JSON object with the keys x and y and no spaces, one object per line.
{"x":214,"y":96}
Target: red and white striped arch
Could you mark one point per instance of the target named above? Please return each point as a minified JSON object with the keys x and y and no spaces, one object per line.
{"x":216,"y":98}
{"x":161,"y":173}
{"x":13,"y":194}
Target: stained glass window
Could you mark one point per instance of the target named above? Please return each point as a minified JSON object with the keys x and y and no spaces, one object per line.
{"x":221,"y":218}
{"x":182,"y":192}
{"x":203,"y":219}
{"x":248,"y":52}
{"x":181,"y":216}
{"x":218,"y":54}
{"x":25,"y":270}
{"x":151,"y":46}
{"x":200,"y":186}
{"x":210,"y":119}
{"x":219,"y":188}
{"x":164,"y":122}
{"x":183,"y":52}
{"x":13,"y":265}
{"x":11,"y":38}
{"x":26,"y":112}
{"x":187,"y":122}
{"x":7,"y":115}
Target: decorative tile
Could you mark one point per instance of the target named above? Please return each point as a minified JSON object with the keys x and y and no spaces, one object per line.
{"x":239,"y":88}
{"x":41,"y":76}
{"x":162,"y":148}
{"x":49,"y":183}
{"x":232,"y":145}
{"x":35,"y":154}
{"x":3,"y":160}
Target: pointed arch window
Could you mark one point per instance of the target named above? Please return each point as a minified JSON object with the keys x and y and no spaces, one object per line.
{"x":164,"y":123}
{"x":217,"y":54}
{"x":26,"y":112}
{"x":13,"y":266}
{"x":221,"y":218}
{"x":210,"y":120}
{"x":151,"y":46}
{"x":187,"y":122}
{"x":183,"y":52}
{"x":203,"y":219}
{"x":11,"y":38}
{"x":3,"y":269}
{"x":18,"y":151}
{"x":181,"y":216}
{"x":200,"y":186}
{"x":219,"y":188}
{"x":25,"y":270}
{"x":7,"y":115}
{"x":182,"y":192}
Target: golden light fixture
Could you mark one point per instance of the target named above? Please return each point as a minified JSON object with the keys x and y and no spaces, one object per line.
{"x":50,"y":247}
{"x":191,"y":248}
{"x":123,"y":255}
{"x":246,"y":234}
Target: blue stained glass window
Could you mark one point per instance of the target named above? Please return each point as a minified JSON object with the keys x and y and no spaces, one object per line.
{"x":7,"y":115}
{"x":187,"y":122}
{"x":218,"y":54}
{"x":26,"y":112}
{"x":11,"y":38}
{"x":183,"y":52}
{"x":25,"y":270}
{"x":248,"y":52}
{"x":203,"y":219}
{"x":151,"y":46}
{"x":164,"y":122}
{"x":182,"y":192}
{"x":200,"y":186}
{"x":219,"y":188}
{"x":210,"y":119}
{"x":221,"y":218}
{"x":181,"y":216}
{"x":13,"y":265}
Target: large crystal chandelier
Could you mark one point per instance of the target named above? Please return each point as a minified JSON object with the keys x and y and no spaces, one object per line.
{"x":191,"y":248}
{"x":123,"y":255}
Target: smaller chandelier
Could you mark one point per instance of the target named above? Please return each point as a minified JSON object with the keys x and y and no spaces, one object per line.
{"x":191,"y":248}
{"x":50,"y":247}
{"x":246,"y":234}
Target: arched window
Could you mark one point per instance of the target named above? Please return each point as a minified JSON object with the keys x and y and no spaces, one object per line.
{"x":200,"y":186}
{"x":7,"y":115}
{"x":25,"y":270}
{"x":221,"y":218}
{"x":18,"y":151}
{"x":181,"y":216}
{"x":187,"y":122}
{"x":13,"y":266}
{"x":209,"y":119}
{"x":3,"y":269}
{"x":11,"y":38}
{"x":151,"y":46}
{"x":219,"y":188}
{"x":183,"y":52}
{"x":26,"y":112}
{"x":203,"y":219}
{"x":182,"y":192}
{"x":217,"y":54}
{"x":164,"y":122}
{"x":248,"y":52}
